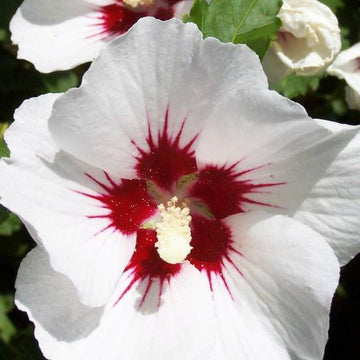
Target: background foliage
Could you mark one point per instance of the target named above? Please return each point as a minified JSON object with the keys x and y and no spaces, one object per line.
{"x":241,"y":22}
{"x":322,"y":96}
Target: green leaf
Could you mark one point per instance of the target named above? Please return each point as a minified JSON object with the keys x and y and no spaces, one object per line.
{"x":339,"y":107}
{"x":3,"y":214}
{"x":8,"y":8}
{"x":197,"y":13}
{"x":11,"y":225}
{"x":293,"y":86}
{"x":7,"y":328}
{"x":60,"y":81}
{"x":333,"y":4}
{"x":3,"y":35}
{"x":5,"y":353}
{"x":26,"y":347}
{"x":341,"y":291}
{"x":259,"y":43}
{"x":4,"y":151}
{"x":3,"y":127}
{"x":250,"y":22}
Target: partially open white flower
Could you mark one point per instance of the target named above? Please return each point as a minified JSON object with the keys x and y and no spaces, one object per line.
{"x":61,"y":34}
{"x":307,"y":42}
{"x":347,"y":66}
{"x":170,"y":134}
{"x":352,"y":98}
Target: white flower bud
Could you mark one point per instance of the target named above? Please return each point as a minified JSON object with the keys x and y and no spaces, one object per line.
{"x":307,"y":42}
{"x":352,"y":98}
{"x":347,"y":66}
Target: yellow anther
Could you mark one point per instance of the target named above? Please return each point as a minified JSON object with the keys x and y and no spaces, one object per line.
{"x":136,"y":3}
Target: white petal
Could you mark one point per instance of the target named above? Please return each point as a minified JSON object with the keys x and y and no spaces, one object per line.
{"x":101,"y":2}
{"x":346,"y":66}
{"x":343,"y":60}
{"x":334,"y":126}
{"x":267,"y":138}
{"x":256,"y":128}
{"x":57,"y":36}
{"x":333,"y":205}
{"x":317,"y":170}
{"x":180,"y":328}
{"x":44,"y":293}
{"x":352,"y":98}
{"x":274,"y":68}
{"x":123,"y":91}
{"x":44,"y":187}
{"x":281,"y":286}
{"x":37,"y":110}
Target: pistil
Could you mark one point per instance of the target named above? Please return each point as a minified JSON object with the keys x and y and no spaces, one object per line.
{"x":173,"y":232}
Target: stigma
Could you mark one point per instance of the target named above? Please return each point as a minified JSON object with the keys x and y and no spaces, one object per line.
{"x":173,"y":232}
{"x":136,"y":3}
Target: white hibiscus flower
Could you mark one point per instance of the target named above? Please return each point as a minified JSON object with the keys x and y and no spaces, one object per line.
{"x":63,"y":34}
{"x":307,"y":42}
{"x":182,"y":210}
{"x":347,"y":66}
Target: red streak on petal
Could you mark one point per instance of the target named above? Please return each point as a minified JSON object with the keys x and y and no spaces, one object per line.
{"x":128,"y":202}
{"x":146,"y":265}
{"x":223,"y":191}
{"x":165,"y":161}
{"x":117,"y":18}
{"x":284,"y":37}
{"x":212,"y":244}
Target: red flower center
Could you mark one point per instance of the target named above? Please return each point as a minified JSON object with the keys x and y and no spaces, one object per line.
{"x":211,"y":193}
{"x":117,"y":18}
